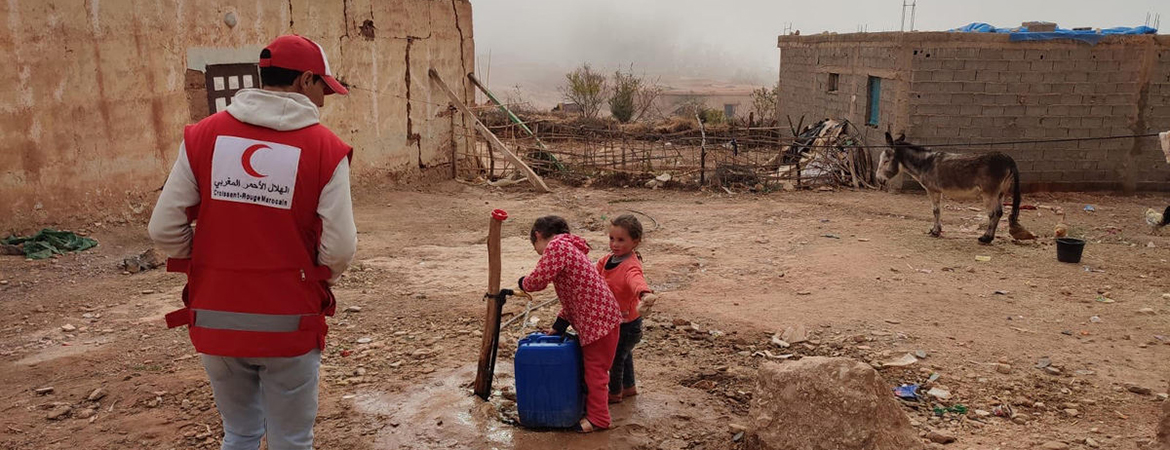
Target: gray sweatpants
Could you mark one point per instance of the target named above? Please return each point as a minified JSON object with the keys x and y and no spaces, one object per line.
{"x":273,"y":396}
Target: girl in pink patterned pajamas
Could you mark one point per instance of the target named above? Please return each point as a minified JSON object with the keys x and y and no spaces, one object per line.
{"x":586,"y":303}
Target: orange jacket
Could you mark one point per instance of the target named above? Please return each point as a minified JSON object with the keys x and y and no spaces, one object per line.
{"x":627,"y":283}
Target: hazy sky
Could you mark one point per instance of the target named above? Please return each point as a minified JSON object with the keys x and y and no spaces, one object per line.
{"x":533,"y":42}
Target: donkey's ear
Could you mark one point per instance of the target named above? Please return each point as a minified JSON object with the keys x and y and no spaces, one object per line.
{"x":901,"y":137}
{"x":889,"y":139}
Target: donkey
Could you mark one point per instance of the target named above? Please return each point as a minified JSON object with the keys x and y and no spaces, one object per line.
{"x":988,"y":176}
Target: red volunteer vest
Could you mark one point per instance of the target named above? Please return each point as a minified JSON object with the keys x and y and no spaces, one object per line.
{"x":254,"y":288}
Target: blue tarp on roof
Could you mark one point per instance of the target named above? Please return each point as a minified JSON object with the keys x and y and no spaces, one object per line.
{"x":1022,"y":33}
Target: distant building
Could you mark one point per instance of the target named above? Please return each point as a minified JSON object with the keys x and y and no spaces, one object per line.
{"x":943,"y":87}
{"x":734,"y":100}
{"x":569,"y":108}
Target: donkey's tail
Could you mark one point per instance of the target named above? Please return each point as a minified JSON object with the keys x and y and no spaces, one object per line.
{"x":1014,"y":228}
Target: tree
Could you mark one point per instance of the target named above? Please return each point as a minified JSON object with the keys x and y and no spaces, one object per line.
{"x":644,"y":99}
{"x":632,"y":96}
{"x":626,"y":86}
{"x":586,"y":88}
{"x":764,"y":103}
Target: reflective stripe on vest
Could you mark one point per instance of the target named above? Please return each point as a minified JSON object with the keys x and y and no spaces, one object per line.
{"x":236,"y":321}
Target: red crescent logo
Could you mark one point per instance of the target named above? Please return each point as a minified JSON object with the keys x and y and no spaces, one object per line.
{"x":246,"y":160}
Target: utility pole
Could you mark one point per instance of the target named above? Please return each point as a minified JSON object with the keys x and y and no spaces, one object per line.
{"x":913,"y":5}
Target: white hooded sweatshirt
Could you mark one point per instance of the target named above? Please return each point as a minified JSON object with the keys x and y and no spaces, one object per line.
{"x":281,"y":111}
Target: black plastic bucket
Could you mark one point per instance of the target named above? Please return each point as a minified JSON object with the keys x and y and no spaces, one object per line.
{"x":1068,"y":250}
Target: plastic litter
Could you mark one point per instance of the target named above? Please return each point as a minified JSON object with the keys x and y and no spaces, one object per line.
{"x":907,"y":392}
{"x":958,"y":408}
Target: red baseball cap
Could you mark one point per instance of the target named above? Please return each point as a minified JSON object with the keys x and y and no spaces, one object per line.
{"x":296,"y":52}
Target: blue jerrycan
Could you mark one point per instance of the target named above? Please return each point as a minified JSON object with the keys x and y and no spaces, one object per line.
{"x":549,"y":378}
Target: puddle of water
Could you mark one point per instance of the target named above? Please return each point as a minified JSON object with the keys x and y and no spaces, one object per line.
{"x":442,"y":413}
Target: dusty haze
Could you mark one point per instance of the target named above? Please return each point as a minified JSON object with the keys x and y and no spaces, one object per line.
{"x":531,"y":44}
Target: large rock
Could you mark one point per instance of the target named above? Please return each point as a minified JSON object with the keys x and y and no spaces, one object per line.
{"x":820,"y":403}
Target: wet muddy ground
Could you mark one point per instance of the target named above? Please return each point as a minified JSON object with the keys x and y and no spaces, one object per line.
{"x":856,"y":269}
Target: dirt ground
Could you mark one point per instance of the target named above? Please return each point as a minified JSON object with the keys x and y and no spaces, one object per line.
{"x":856,"y":269}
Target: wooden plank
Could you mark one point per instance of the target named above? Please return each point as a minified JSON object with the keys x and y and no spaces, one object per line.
{"x":491,"y":137}
{"x":491,"y":325}
{"x":516,"y":120}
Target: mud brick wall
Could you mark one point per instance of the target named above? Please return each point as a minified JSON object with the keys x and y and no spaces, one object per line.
{"x":804,"y":83}
{"x":970,"y":88}
{"x":98,"y":92}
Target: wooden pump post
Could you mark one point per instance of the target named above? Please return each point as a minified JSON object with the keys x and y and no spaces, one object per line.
{"x":495,"y":304}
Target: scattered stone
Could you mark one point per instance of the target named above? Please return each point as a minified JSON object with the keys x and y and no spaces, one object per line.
{"x":903,"y":361}
{"x":939,"y":393}
{"x":1166,"y":296}
{"x":1140,"y":390}
{"x":96,"y":395}
{"x":154,"y":402}
{"x":1147,"y":312}
{"x":777,"y":341}
{"x":420,"y":353}
{"x":1071,"y":412}
{"x":365,"y":340}
{"x":68,"y":328}
{"x":85,"y":413}
{"x":147,"y":260}
{"x":1054,"y":445}
{"x":819,"y":402}
{"x":44,"y":391}
{"x":680,"y":322}
{"x":794,"y":335}
{"x":1020,"y":419}
{"x":1003,"y":368}
{"x":59,"y":412}
{"x":804,"y":293}
{"x":939,"y":437}
{"x":3,"y":282}
{"x":920,"y":354}
{"x":981,"y":413}
{"x":1052,"y":370}
{"x":1091,"y":443}
{"x":147,"y":291}
{"x":738,"y":437}
{"x":893,"y":321}
{"x":1095,"y":319}
{"x":353,"y":309}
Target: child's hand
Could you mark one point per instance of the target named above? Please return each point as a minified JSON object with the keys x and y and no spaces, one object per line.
{"x":552,"y":332}
{"x":648,"y":300}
